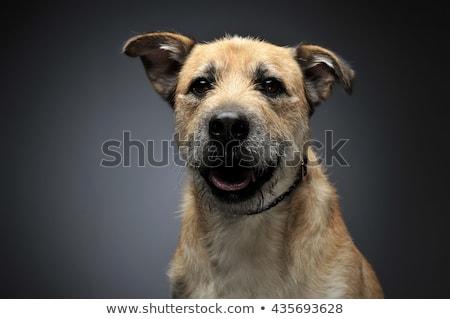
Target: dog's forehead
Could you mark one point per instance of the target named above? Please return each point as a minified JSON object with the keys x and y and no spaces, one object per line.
{"x":241,"y":56}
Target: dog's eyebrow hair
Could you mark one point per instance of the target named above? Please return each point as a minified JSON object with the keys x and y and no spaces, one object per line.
{"x":209,"y":71}
{"x":260,"y":72}
{"x":263,"y":71}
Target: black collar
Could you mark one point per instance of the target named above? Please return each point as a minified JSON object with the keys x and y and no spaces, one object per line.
{"x":301,"y":173}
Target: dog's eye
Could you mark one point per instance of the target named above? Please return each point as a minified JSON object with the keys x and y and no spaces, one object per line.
{"x":271,"y":87}
{"x":200,"y":86}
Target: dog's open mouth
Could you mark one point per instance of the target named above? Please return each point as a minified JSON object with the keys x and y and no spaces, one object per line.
{"x":235,"y":183}
{"x":231,"y":179}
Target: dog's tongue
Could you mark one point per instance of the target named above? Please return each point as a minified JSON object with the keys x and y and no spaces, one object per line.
{"x":231,"y":179}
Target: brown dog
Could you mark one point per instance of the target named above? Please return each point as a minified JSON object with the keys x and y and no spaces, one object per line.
{"x":260,"y":219}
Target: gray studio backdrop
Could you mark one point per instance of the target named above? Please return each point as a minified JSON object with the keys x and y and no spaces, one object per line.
{"x":71,"y":228}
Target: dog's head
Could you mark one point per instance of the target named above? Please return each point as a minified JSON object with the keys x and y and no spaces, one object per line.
{"x":242,"y":109}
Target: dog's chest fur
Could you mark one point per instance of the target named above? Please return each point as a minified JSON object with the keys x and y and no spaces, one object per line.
{"x":247,"y":256}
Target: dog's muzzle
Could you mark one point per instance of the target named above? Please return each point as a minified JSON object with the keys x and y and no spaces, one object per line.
{"x":239,"y":160}
{"x":231,"y":163}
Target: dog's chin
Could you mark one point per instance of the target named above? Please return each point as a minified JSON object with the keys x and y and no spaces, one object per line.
{"x":235,"y":185}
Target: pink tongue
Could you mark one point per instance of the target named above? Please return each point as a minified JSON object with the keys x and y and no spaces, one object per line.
{"x":231,"y":182}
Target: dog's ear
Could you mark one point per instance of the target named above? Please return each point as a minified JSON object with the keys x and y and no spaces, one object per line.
{"x":321,"y":69}
{"x":163,"y":54}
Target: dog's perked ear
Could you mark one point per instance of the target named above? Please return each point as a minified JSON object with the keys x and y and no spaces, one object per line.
{"x":321,"y":69}
{"x":163,"y":54}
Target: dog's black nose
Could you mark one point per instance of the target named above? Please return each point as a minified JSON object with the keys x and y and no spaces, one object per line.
{"x":229,"y":125}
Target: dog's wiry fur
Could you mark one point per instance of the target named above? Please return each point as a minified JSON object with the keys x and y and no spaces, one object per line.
{"x":300,"y":248}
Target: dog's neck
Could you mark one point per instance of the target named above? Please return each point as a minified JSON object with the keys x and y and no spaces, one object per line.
{"x":248,"y":251}
{"x":237,"y":247}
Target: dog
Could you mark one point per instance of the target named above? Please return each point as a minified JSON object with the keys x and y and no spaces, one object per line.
{"x":259,"y":217}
